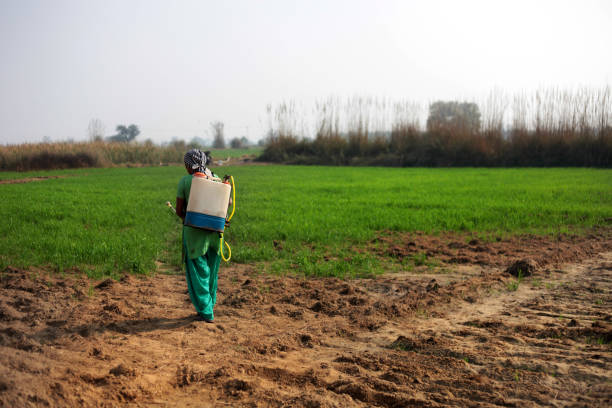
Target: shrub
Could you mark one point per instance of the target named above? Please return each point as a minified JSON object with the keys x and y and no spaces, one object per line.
{"x":44,"y":156}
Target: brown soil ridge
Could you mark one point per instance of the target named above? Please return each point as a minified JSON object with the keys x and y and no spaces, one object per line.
{"x":457,"y":248}
{"x":29,"y":179}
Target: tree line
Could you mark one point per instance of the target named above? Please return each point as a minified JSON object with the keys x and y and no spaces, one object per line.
{"x":552,"y":128}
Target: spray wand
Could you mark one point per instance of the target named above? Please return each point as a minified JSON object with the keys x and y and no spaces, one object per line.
{"x":170,"y":206}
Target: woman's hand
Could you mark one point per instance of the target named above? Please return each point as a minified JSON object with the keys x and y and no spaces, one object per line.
{"x":180,"y":208}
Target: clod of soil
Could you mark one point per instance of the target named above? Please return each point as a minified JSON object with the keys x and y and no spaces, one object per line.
{"x":432,"y":286}
{"x":404,"y":343}
{"x":105,"y":284}
{"x":122,"y":369}
{"x":234,"y":387}
{"x":523,"y":267}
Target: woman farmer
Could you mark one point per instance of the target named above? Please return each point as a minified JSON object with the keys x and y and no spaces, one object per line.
{"x":201,"y":248}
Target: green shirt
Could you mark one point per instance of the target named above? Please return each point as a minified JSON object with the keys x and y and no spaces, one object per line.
{"x":197,"y":241}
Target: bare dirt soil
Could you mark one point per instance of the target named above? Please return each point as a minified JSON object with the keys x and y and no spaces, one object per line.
{"x":467,"y":334}
{"x":29,"y":179}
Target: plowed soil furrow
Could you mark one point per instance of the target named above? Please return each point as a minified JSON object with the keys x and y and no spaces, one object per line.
{"x":467,"y":338}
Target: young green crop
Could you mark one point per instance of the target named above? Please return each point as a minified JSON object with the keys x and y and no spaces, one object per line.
{"x":288,"y":218}
{"x":316,"y":211}
{"x":104,"y":221}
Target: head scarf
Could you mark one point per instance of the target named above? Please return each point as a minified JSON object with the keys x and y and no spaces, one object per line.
{"x":196,"y":160}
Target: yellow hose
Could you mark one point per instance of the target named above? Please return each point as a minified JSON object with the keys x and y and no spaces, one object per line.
{"x":233,"y":198}
{"x":228,"y":248}
{"x":229,"y":218}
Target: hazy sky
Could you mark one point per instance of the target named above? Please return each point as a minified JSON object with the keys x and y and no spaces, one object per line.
{"x":172,"y":67}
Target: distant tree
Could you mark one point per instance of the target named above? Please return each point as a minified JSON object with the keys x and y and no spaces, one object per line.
{"x":245,"y":142}
{"x":132,"y":132}
{"x":125,"y":134}
{"x":453,"y":116}
{"x":236,"y":143}
{"x":218,"y":136}
{"x":95,"y":130}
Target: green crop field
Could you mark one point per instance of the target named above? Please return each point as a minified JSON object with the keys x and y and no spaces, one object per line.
{"x":288,"y":218}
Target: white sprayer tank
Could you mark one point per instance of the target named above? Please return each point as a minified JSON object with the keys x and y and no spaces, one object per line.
{"x":207,"y":205}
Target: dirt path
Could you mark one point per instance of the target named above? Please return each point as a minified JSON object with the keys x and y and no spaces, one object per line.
{"x":29,"y":179}
{"x":463,"y":338}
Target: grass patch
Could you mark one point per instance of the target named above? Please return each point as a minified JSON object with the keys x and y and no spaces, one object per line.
{"x":600,"y":341}
{"x":513,"y":285}
{"x":536,"y":283}
{"x":316,"y":221}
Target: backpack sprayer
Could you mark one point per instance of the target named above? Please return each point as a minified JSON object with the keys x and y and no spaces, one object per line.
{"x":207,"y":205}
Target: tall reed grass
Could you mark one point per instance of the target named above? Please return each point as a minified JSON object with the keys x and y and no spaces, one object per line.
{"x":40,"y":156}
{"x":550,"y":127}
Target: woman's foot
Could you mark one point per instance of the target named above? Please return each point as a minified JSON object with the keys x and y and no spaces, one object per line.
{"x":205,"y":319}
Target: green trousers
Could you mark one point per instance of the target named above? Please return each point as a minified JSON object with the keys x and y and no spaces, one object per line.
{"x":202,"y":281}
